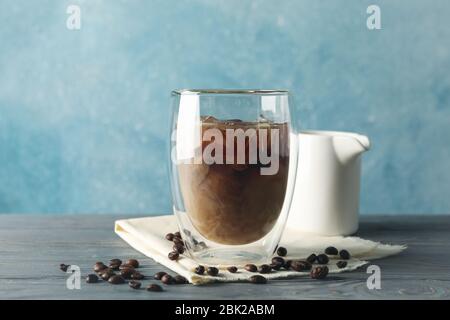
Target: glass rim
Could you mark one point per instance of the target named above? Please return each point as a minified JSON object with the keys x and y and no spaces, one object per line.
{"x":230,"y":91}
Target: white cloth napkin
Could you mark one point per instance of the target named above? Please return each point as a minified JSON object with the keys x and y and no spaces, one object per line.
{"x":147,"y":235}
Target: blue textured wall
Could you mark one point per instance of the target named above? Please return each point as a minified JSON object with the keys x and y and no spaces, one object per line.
{"x":83,"y":113}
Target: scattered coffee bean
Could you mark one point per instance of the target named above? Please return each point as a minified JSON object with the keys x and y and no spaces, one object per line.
{"x":180,"y":280}
{"x":137,"y":276}
{"x":319,"y":272}
{"x":287,"y":264}
{"x":178,"y":241}
{"x":114,"y":267}
{"x":212,"y":271}
{"x":322,"y":259}
{"x":106,"y":270}
{"x":257,"y":279}
{"x":167,"y":279}
{"x":115,"y":261}
{"x":177,"y":234}
{"x":264,"y":268}
{"x":126,"y":266}
{"x":107,"y":274}
{"x":159,"y":275}
{"x":312,"y":258}
{"x":173,"y":255}
{"x":126,"y":273}
{"x":341,"y":264}
{"x":170,"y":236}
{"x":202,"y":245}
{"x":98,"y":266}
{"x":332,"y":251}
{"x":154,"y":287}
{"x":278,"y":260}
{"x":64,"y":267}
{"x":178,"y":248}
{"x":275,"y":267}
{"x":134,"y":284}
{"x":232,"y":269}
{"x":133,"y":262}
{"x":91,"y":278}
{"x":187,"y":232}
{"x":282,"y":252}
{"x":344,"y":254}
{"x":116,"y":280}
{"x":300,"y":265}
{"x":200,"y":270}
{"x":115,"y":264}
{"x":251,"y":268}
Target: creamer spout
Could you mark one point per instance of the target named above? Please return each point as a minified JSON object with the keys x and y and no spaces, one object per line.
{"x":348,"y":146}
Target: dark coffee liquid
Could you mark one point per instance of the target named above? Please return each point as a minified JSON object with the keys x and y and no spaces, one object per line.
{"x":234,"y":203}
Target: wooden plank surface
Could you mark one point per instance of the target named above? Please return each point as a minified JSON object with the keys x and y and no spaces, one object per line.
{"x":32,"y":247}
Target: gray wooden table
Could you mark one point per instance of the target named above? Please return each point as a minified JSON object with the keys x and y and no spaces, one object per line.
{"x":32,"y":247}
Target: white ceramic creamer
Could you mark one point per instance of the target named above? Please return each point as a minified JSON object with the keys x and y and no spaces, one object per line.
{"x":326,"y":194}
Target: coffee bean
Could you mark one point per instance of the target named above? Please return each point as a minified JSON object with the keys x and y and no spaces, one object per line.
{"x":178,"y":241}
{"x":134,"y":284}
{"x":126,"y":266}
{"x":170,"y":236}
{"x":91,"y":278}
{"x":202,"y":245}
{"x":282,"y":251}
{"x":137,"y":275}
{"x":159,"y":275}
{"x":177,"y":234}
{"x":312,"y":258}
{"x":300,"y":265}
{"x":232,"y":269}
{"x":187,"y":232}
{"x":98,"y":266}
{"x":278,"y":260}
{"x":178,"y":248}
{"x":264,"y":268}
{"x":332,"y":251}
{"x":212,"y":271}
{"x":251,"y":267}
{"x":322,"y":259}
{"x":108,"y":270}
{"x":64,"y":267}
{"x":115,"y":262}
{"x":319,"y":272}
{"x":257,"y":279}
{"x":344,"y":254}
{"x":154,"y":288}
{"x":287,"y":264}
{"x":180,"y":279}
{"x":107,"y":274}
{"x":114,"y":267}
{"x":126,"y":273}
{"x":167,"y":279}
{"x":200,"y":270}
{"x":275,"y":267}
{"x":341,"y":264}
{"x":133,"y":262}
{"x":116,"y":280}
{"x":173,"y":255}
